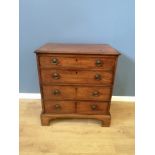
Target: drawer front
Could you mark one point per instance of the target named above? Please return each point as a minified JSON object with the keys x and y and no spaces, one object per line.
{"x":79,"y":77}
{"x":106,"y":62}
{"x":56,"y":61}
{"x":94,"y":93}
{"x":59,"y":107}
{"x":59,"y":92}
{"x":92,"y":107}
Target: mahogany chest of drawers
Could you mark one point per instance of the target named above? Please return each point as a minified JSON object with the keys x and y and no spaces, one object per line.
{"x":76,"y":81}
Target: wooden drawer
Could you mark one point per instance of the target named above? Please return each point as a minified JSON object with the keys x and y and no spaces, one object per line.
{"x":59,"y":92}
{"x":94,"y":93}
{"x":78,"y":93}
{"x":104,"y":62}
{"x":59,"y":107}
{"x":79,"y":77}
{"x":92,"y":107}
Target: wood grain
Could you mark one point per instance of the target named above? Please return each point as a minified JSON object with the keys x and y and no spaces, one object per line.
{"x":93,"y":93}
{"x":76,"y":136}
{"x":72,"y":77}
{"x":64,"y":92}
{"x":87,"y":107}
{"x":88,"y":93}
{"x":77,"y":49}
{"x":64,"y":107}
{"x":85,"y":62}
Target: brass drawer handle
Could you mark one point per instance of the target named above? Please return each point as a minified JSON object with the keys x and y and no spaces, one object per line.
{"x":96,"y":93}
{"x":93,"y":107}
{"x":98,"y":77}
{"x":99,"y":63}
{"x":55,"y":76}
{"x":55,"y":61}
{"x":56,"y":92}
{"x":57,"y":106}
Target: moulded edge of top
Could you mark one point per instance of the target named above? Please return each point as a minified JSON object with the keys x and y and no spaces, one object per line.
{"x":53,"y":48}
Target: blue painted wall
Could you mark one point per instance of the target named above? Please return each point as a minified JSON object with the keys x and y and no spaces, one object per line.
{"x":77,"y":21}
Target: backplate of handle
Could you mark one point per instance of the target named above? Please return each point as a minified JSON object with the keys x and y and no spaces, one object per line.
{"x":55,"y":76}
{"x":98,"y":77}
{"x":55,"y":61}
{"x":96,"y":93}
{"x":57,"y":106}
{"x":99,"y":63}
{"x":93,"y":107}
{"x":56,"y":92}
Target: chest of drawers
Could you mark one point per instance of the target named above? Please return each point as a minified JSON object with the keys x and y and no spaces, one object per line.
{"x":76,"y":81}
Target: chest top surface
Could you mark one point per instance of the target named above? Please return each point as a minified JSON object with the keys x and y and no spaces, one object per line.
{"x":57,"y":48}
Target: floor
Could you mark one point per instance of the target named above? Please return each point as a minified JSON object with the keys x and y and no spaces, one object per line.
{"x":75,"y":136}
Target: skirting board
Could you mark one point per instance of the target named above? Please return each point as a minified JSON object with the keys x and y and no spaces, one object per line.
{"x":114,"y":98}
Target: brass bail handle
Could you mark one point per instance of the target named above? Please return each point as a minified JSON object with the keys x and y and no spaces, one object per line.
{"x":56,"y":92}
{"x":99,"y":63}
{"x":93,"y":107}
{"x":96,"y":93}
{"x":57,"y":106}
{"x":98,"y":77}
{"x":55,"y":61}
{"x":55,"y":76}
